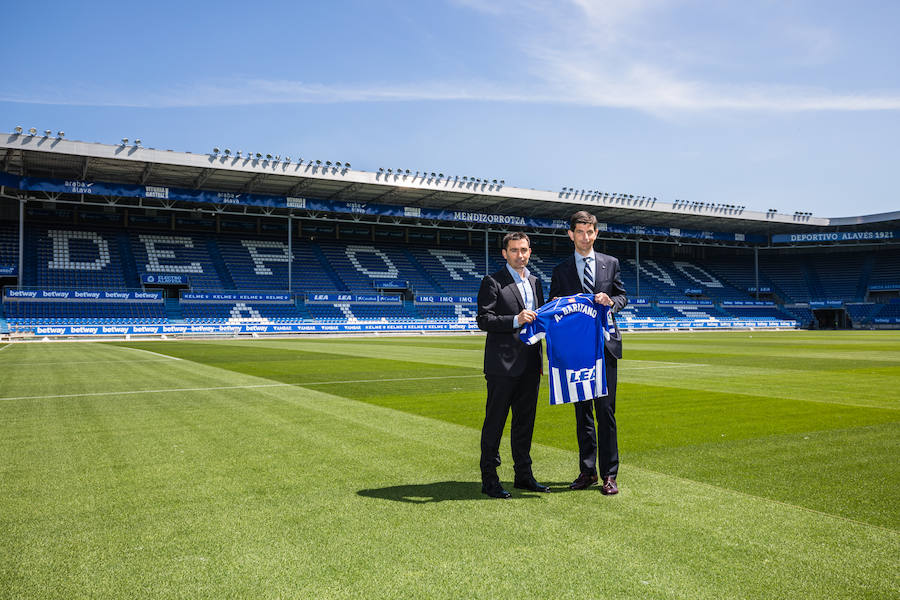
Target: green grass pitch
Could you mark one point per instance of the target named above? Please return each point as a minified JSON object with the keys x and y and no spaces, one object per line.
{"x":754,"y":465}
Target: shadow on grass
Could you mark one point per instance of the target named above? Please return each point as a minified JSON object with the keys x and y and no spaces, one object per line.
{"x":438,"y":491}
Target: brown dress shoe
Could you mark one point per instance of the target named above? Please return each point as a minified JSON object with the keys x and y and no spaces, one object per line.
{"x":584,"y":481}
{"x":609,"y":486}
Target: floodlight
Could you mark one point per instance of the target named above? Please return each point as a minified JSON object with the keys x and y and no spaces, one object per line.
{"x":287,"y":159}
{"x":348,"y":166}
{"x":124,"y":141}
{"x":318,"y":162}
{"x":440,"y":175}
{"x":338,"y":164}
{"x":137,"y":142}
{"x":18,"y":129}
{"x":407,"y":171}
{"x":61,"y":134}
{"x":216,"y":150}
{"x":327,"y":163}
{"x":381,"y":169}
{"x":502,"y":182}
{"x":32,"y":131}
{"x":227,"y":151}
{"x":258,"y":155}
{"x":47,"y":133}
{"x":238,"y":153}
{"x":268,"y":156}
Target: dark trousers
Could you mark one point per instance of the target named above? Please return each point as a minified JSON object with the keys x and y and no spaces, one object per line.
{"x":505,"y":393}
{"x":600,"y":443}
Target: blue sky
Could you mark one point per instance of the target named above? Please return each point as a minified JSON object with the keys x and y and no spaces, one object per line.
{"x":781,"y":104}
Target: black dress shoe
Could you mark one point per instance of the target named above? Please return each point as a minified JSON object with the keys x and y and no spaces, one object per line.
{"x":609,"y":486}
{"x":495,"y":491}
{"x":584,"y":481}
{"x":531,"y":485}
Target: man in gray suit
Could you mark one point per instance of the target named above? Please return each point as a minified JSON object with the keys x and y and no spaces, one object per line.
{"x":507,"y":300}
{"x":590,"y":272}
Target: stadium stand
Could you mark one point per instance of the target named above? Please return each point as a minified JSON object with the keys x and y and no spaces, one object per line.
{"x":790,"y":276}
{"x":718,"y":288}
{"x":9,"y":245}
{"x":156,"y":253}
{"x":239,"y":312}
{"x":67,"y":258}
{"x":863,"y":312}
{"x":455,"y":270}
{"x":170,"y":225}
{"x":886,"y":268}
{"x":331,"y":312}
{"x":28,"y":312}
{"x":838,"y":276}
{"x":446,"y":312}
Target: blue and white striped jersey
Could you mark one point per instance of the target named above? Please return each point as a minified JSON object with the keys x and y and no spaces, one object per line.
{"x":575,"y":329}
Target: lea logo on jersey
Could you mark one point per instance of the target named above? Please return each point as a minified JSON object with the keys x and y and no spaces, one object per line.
{"x":580,"y":375}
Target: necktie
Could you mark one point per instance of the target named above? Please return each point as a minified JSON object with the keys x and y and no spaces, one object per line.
{"x":526,"y":293}
{"x":588,"y":276}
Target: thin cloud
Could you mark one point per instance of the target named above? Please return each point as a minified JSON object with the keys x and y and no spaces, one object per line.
{"x":590,"y":53}
{"x":642,"y":88}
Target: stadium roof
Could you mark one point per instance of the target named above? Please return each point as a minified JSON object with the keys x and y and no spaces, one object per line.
{"x":37,"y":155}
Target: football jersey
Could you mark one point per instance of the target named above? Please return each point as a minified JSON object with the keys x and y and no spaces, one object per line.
{"x":575,"y":329}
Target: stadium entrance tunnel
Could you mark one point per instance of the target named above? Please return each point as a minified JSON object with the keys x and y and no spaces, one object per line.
{"x":168,"y":290}
{"x":832,"y":318}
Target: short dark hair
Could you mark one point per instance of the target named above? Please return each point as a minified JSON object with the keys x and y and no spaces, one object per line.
{"x":515,"y":236}
{"x":582,"y":216}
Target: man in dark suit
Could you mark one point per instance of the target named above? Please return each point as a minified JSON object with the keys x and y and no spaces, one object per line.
{"x":591,"y":272}
{"x":507,"y":300}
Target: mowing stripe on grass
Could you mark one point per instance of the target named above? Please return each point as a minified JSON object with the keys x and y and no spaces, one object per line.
{"x":83,"y":362}
{"x":234,"y":387}
{"x":765,"y":499}
{"x":668,"y":365}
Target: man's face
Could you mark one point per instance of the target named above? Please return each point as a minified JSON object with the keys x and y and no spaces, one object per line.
{"x":517,"y":253}
{"x":583,"y":235}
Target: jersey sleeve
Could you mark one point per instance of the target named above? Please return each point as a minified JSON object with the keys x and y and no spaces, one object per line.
{"x":532,"y":333}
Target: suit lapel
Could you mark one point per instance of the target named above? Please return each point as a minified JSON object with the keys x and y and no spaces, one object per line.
{"x":509,"y":282}
{"x":573,"y":273}
{"x":601,"y":267}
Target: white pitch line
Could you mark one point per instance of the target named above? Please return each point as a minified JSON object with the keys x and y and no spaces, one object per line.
{"x":150,"y":352}
{"x":5,"y":347}
{"x":232,"y":387}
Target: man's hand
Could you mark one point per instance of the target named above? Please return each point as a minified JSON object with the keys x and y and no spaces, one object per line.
{"x":526,"y":316}
{"x":603,"y":298}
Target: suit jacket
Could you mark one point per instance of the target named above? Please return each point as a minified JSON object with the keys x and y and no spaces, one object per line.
{"x":499,"y":301}
{"x":565,"y":282}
